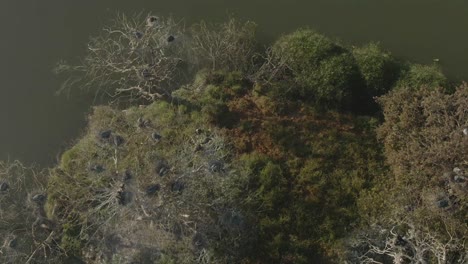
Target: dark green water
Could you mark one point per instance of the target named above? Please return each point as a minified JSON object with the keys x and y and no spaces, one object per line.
{"x":35,"y":34}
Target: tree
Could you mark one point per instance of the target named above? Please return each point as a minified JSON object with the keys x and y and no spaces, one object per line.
{"x":404,"y":242}
{"x":423,"y":132}
{"x":133,"y":58}
{"x":324,"y":72}
{"x":153,"y":183}
{"x":148,"y":58}
{"x":424,"y":217}
{"x":418,"y":76}
{"x":378,"y":67}
{"x":228,"y":46}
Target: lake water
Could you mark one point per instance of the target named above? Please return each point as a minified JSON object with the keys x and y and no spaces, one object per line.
{"x":36,"y":125}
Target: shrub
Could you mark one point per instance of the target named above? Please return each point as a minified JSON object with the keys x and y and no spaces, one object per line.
{"x":378,"y":67}
{"x":334,"y":82}
{"x":418,"y":76}
{"x":305,"y":48}
{"x":324,"y":72}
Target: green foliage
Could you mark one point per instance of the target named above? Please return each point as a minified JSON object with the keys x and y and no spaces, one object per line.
{"x":325,"y":72}
{"x":305,"y":48}
{"x":333,"y":82}
{"x":308,"y":66}
{"x":306,"y":199}
{"x":378,"y":67}
{"x":167,"y":260}
{"x":266,"y":201}
{"x":418,"y":76}
{"x":71,"y":240}
{"x":271,"y":182}
{"x":187,"y":161}
{"x":211,"y":92}
{"x":303,"y":192}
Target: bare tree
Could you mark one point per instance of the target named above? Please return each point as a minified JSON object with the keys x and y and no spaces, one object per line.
{"x":273,"y":69}
{"x":224,"y":46}
{"x":404,"y":242}
{"x":134,"y":58}
{"x":149,"y":57}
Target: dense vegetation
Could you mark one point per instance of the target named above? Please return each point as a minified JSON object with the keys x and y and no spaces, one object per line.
{"x":216,"y":151}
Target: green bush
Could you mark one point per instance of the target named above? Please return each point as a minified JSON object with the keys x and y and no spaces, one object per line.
{"x":324,"y":71}
{"x":334,"y":81}
{"x":378,"y":68}
{"x":417,"y":76}
{"x":305,"y":48}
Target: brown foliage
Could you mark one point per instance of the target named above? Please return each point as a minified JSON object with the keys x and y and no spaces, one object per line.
{"x":423,"y":132}
{"x":427,"y":149}
{"x":261,"y":116}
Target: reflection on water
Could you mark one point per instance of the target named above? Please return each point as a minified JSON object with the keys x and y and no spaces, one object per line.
{"x":36,"y":125}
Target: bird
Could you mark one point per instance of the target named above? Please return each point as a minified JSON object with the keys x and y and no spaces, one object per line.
{"x":151,"y":21}
{"x":138,"y":34}
{"x":156,"y":137}
{"x":4,"y":186}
